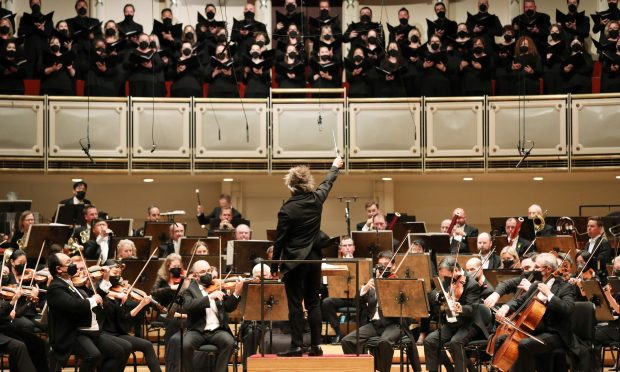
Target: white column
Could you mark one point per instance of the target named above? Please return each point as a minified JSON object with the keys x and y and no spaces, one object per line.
{"x":263,"y":13}
{"x":350,"y":14}
{"x":235,"y":190}
{"x":10,"y":5}
{"x":515,"y":8}
{"x":384,"y":195}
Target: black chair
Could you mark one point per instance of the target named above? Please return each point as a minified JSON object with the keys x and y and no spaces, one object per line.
{"x":583,"y":321}
{"x":404,"y":346}
{"x":206,"y":356}
{"x":614,"y":348}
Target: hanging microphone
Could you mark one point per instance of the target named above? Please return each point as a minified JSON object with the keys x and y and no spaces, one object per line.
{"x":524,"y":153}
{"x":86,"y":150}
{"x":153,"y":148}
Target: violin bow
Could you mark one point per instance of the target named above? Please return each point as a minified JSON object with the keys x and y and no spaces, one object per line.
{"x":394,"y":256}
{"x":140,"y":274}
{"x":486,"y":259}
{"x":90,"y":278}
{"x":589,"y":258}
{"x":37,"y":264}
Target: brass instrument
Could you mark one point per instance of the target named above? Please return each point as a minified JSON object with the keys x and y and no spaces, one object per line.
{"x":21,"y":244}
{"x":565,"y":226}
{"x":394,"y":220}
{"x":515,"y":232}
{"x":84,"y":236}
{"x":72,"y":247}
{"x":539,"y":221}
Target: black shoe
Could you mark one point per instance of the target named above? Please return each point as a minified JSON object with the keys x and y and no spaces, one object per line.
{"x":315,"y":351}
{"x":336,"y":340}
{"x":293,"y":352}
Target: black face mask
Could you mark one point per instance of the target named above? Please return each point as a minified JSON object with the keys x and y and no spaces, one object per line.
{"x":206,"y":280}
{"x":153,"y":45}
{"x":358,"y":58}
{"x":372,"y":40}
{"x":613,"y":6}
{"x":508,"y":38}
{"x":110,"y":32}
{"x":255,"y":55}
{"x":616,"y":272}
{"x":292,"y":55}
{"x":537,"y":276}
{"x":526,"y":274}
{"x":441,"y":14}
{"x":415,"y":39}
{"x":327,"y":37}
{"x":221,"y":56}
{"x":483,"y":8}
{"x":115,"y":280}
{"x":36,"y":8}
{"x":64,"y":32}
{"x":210,"y":15}
{"x":189,"y":36}
{"x":613,"y":34}
{"x":19,"y":268}
{"x":478,"y":50}
{"x":248,"y":15}
{"x":576,"y":48}
{"x":129,"y":18}
{"x":72,"y":269}
{"x":168,"y":22}
{"x":10,"y":53}
{"x":325,"y":58}
{"x":55,"y":48}
{"x":260,"y":43}
{"x":392,"y":52}
{"x":175,"y":272}
{"x":143,"y":44}
{"x":461,"y":34}
{"x":293,"y":34}
{"x":290,"y":7}
{"x":435,"y":46}
{"x":523,"y":49}
{"x":365,"y":18}
{"x":508,"y":263}
{"x":221,"y":38}
{"x":529,"y":13}
{"x":403,"y":21}
{"x":324,"y":13}
{"x":4,"y":30}
{"x":82,"y":11}
{"x":572,"y":8}
{"x":187,"y":52}
{"x":555,"y":36}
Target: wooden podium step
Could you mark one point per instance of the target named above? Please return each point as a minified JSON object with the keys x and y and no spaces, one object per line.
{"x":334,"y":362}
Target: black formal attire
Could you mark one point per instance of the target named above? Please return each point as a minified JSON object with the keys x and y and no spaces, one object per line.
{"x":128,"y":25}
{"x":25,"y":318}
{"x":363,"y":28}
{"x":360,"y":225}
{"x":494,"y":261}
{"x":603,"y":253}
{"x":26,"y":351}
{"x":82,"y":45}
{"x":610,"y":80}
{"x":476,"y":82}
{"x":195,"y":305}
{"x":215,"y":213}
{"x":245,"y":42}
{"x":611,"y":14}
{"x":486,"y":289}
{"x":555,"y":329}
{"x":582,"y":23}
{"x":436,"y":83}
{"x":359,"y":87}
{"x":444,"y":23}
{"x":104,"y":83}
{"x":524,"y":83}
{"x":299,"y":223}
{"x":553,"y":68}
{"x":257,"y":85}
{"x":92,"y":249}
{"x":604,"y":334}
{"x":329,"y":309}
{"x":35,"y":40}
{"x":71,"y":201}
{"x":579,"y":79}
{"x":504,"y":80}
{"x":284,"y":81}
{"x":187,"y":83}
{"x":455,"y":336}
{"x":56,"y":83}
{"x":382,"y":87}
{"x":508,"y":285}
{"x":524,"y":25}
{"x":523,"y":245}
{"x":491,"y":23}
{"x":143,"y":81}
{"x":11,"y":82}
{"x":221,"y":86}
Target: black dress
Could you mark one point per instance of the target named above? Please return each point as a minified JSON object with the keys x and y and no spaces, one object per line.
{"x":187,"y":83}
{"x":359,"y":85}
{"x":286,"y":82}
{"x":436,"y":83}
{"x":35,"y":40}
{"x":221,"y":86}
{"x":579,"y":79}
{"x":333,"y":69}
{"x":382,"y":83}
{"x":11,"y":82}
{"x":610,"y":80}
{"x":143,"y":81}
{"x":257,"y":85}
{"x":103,"y":83}
{"x":503,"y":79}
{"x":553,"y":68}
{"x":57,"y":83}
{"x":525,"y":83}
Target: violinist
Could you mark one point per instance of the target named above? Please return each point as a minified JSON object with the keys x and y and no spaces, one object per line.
{"x":555,"y":328}
{"x":387,"y":329}
{"x":119,"y":314}
{"x":604,"y":333}
{"x":165,"y":287}
{"x":586,"y":270}
{"x":101,"y":247}
{"x":473,"y":266}
{"x":520,"y":283}
{"x":463,"y":293}
{"x":25,"y":320}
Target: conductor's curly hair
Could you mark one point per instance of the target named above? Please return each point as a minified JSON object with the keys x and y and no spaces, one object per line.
{"x":299,"y":180}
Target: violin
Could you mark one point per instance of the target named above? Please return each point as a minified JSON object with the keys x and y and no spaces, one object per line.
{"x":227,"y":284}
{"x":136,"y":294}
{"x":29,"y":274}
{"x":8,"y":291}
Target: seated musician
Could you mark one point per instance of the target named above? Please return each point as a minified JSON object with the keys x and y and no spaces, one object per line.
{"x":224,"y":201}
{"x":177,"y":231}
{"x":330,"y":305}
{"x":207,"y":314}
{"x":457,"y":243}
{"x":101,"y":247}
{"x":489,"y":261}
{"x":606,"y":333}
{"x":152,"y":215}
{"x":387,"y":329}
{"x":598,"y":245}
{"x":509,"y":258}
{"x":126,"y":249}
{"x":586,"y":270}
{"x":467,"y":326}
{"x":534,"y":211}
{"x":555,"y":329}
{"x":520,"y":244}
{"x":200,"y":248}
{"x":514,"y":284}
{"x":372,"y":208}
{"x":79,"y":195}
{"x":242,"y":232}
{"x":165,"y":288}
{"x":379,"y":223}
{"x":25,"y":319}
{"x":473,"y":266}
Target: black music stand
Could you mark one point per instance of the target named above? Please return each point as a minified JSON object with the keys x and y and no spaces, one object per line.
{"x":369,"y":243}
{"x":10,"y":210}
{"x":214,"y":260}
{"x":186,"y":245}
{"x":245,"y":253}
{"x":404,"y":217}
{"x":433,"y":242}
{"x":496,"y":276}
{"x":275,"y":305}
{"x":224,"y":235}
{"x":595,"y":294}
{"x":41,"y":236}
{"x":142,"y":243}
{"x":121,"y":227}
{"x":158,"y":231}
{"x":149,"y":275}
{"x":416,"y":266}
{"x":402,"y":298}
{"x":402,"y":229}
{"x":70,"y":214}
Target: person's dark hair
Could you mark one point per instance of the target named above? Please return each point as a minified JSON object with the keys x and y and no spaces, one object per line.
{"x":366,"y":8}
{"x":87,"y":207}
{"x":127,"y":6}
{"x":448,"y":263}
{"x":17,"y":253}
{"x":55,"y":248}
{"x":597,"y":219}
{"x":165,"y":10}
{"x":80,"y":1}
{"x":96,"y":221}
{"x":403,"y":9}
{"x":53,"y":262}
{"x":80,"y":183}
{"x":419,"y":242}
{"x":385,"y":254}
{"x":225,"y":196}
{"x":370,"y":203}
{"x":210,"y":5}
{"x":441,"y":5}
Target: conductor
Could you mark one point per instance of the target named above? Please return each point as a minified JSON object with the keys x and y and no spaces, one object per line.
{"x":299,"y":222}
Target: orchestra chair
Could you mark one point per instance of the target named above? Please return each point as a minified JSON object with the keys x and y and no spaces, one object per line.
{"x":478,"y":347}
{"x":206,"y":355}
{"x":583,"y":321}
{"x":614,"y":348}
{"x":405,"y":341}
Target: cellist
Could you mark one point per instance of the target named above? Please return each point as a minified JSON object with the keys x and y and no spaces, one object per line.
{"x":555,"y":328}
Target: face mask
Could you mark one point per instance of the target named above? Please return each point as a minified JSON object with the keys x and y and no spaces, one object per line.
{"x":483,"y":8}
{"x":508,"y":38}
{"x":327,"y":37}
{"x":260,"y":43}
{"x":175,"y":272}
{"x":4,"y":30}
{"x":613,"y":34}
{"x":72,"y":269}
{"x":153,"y":45}
{"x":115,"y":280}
{"x":221,"y":38}
{"x":365,"y":18}
{"x":55,"y":48}
{"x":168,"y":21}
{"x":441,"y":14}
{"x":187,"y":52}
{"x":255,"y":55}
{"x":292,"y":55}
{"x":206,"y":280}
{"x":64,"y":32}
{"x":110,"y":32}
{"x":10,"y":53}
{"x":403,"y":21}
{"x":19,"y":268}
{"x":508,"y":263}
{"x":478,"y":50}
{"x":221,"y":56}
{"x":143,"y":44}
{"x":325,"y":58}
{"x":390,"y":65}
{"x":575,"y":47}
{"x":613,"y":6}
{"x":129,"y":18}
{"x":572,"y":8}
{"x":392,"y":52}
{"x":415,"y":39}
{"x":461,"y":34}
{"x":36,"y":8}
{"x":248,"y":15}
{"x":616,"y":272}
{"x":523,"y":49}
{"x":290,"y":7}
{"x":372,"y":40}
{"x":210,"y":15}
{"x":189,"y":35}
{"x":555,"y":36}
{"x":530,"y":13}
{"x":435,"y":46}
{"x":82,"y":11}
{"x":537,"y":276}
{"x":358,"y":58}
{"x":293,"y":34}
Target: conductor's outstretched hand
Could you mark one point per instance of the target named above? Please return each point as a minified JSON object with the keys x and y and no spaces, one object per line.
{"x":338,"y":163}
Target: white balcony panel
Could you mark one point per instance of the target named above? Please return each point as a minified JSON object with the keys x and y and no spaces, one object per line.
{"x":231,"y":130}
{"x":307,"y":130}
{"x":454,"y":129}
{"x":169,"y":129}
{"x":543,"y":122}
{"x":21,"y":131}
{"x":385,"y":130}
{"x":596,"y":126}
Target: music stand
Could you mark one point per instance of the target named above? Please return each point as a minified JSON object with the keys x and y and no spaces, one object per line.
{"x":214,"y":223}
{"x":402,"y":298}
{"x":38,"y":234}
{"x":186,"y":245}
{"x":433,"y":242}
{"x":496,"y":276}
{"x":224,"y":235}
{"x":275,"y":305}
{"x":149,"y":275}
{"x":70,"y":214}
{"x":595,"y":294}
{"x":121,"y":227}
{"x":344,"y":286}
{"x":404,"y":217}
{"x":369,"y":243}
{"x":402,"y":229}
{"x":565,"y":243}
{"x":10,"y":209}
{"x":272,"y":234}
{"x":212,"y":259}
{"x":142,"y":243}
{"x":245,"y":252}
{"x":158,"y":231}
{"x":416,"y":266}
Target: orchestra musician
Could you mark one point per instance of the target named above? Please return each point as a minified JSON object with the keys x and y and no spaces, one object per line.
{"x":79,"y":195}
{"x":177,"y":231}
{"x":520,"y":244}
{"x":598,"y":245}
{"x":535,"y":210}
{"x":101,"y":248}
{"x":490,"y":259}
{"x":473,"y":266}
{"x":126,"y":249}
{"x":224,"y":201}
{"x":606,"y":333}
{"x":25,"y":220}
{"x":372,"y":208}
{"x":515,"y":284}
{"x":152,"y":215}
